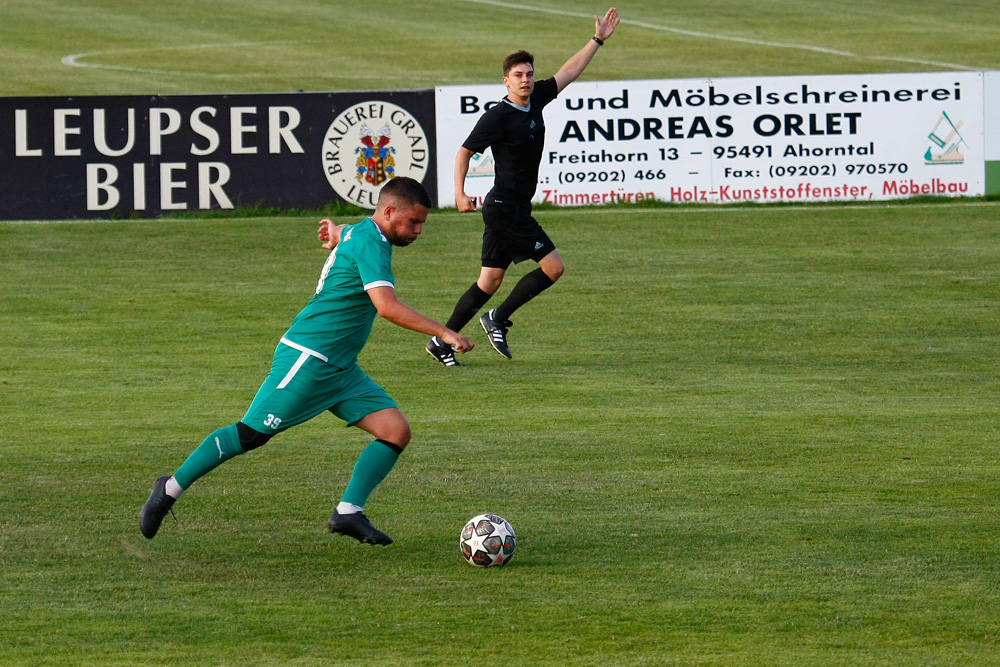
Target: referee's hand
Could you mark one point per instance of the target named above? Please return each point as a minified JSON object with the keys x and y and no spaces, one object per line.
{"x":465,"y":203}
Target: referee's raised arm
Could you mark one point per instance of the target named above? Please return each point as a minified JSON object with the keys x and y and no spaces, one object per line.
{"x":573,"y":68}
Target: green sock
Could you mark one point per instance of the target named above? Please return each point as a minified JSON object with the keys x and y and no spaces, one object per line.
{"x":373,"y":465}
{"x":220,"y":446}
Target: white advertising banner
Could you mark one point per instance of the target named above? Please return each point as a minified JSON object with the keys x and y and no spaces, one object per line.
{"x":776,"y":139}
{"x":991,"y":105}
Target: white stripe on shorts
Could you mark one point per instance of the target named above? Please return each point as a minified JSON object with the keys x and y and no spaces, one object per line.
{"x":306,"y":353}
{"x":302,"y":348}
{"x":294,"y":369}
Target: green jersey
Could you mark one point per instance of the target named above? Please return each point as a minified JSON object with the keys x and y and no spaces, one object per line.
{"x":335,"y":324}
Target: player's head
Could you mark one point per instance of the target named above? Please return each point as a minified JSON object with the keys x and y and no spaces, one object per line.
{"x":519,"y":74}
{"x":401,"y":210}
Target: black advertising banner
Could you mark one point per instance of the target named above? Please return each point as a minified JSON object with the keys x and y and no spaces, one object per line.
{"x":93,"y":157}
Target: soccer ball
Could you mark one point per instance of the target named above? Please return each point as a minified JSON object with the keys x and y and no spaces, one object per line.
{"x":487,"y":540}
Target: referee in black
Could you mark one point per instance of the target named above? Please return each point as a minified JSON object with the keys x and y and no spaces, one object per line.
{"x":515,"y":130}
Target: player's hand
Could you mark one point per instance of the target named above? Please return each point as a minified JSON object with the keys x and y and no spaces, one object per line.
{"x":603,"y":28}
{"x":465,"y":203}
{"x":457,"y":341}
{"x":330,"y":233}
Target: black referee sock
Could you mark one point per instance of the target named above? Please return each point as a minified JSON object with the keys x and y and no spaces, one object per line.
{"x":526,"y":289}
{"x":467,"y":307}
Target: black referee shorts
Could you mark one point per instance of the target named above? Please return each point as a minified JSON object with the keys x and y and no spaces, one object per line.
{"x":511,"y":234}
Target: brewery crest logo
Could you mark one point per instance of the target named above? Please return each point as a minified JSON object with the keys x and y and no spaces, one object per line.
{"x":358,"y":160}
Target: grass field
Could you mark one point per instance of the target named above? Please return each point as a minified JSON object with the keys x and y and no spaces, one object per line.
{"x":733,"y":436}
{"x":212,"y":46}
{"x":739,"y":436}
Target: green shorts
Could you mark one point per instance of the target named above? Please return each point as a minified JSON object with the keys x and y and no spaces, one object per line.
{"x":301,"y":386}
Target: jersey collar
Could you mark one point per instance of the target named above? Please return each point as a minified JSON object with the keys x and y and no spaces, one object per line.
{"x":516,"y":106}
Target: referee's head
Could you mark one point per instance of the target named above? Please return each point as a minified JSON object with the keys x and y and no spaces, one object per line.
{"x":518,"y":58}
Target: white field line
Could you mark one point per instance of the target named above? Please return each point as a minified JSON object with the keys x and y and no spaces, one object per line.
{"x":721,"y":36}
{"x":595,"y":210}
{"x":75,"y":60}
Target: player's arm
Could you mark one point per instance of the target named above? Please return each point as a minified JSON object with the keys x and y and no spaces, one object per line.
{"x":463,"y":201}
{"x":330,"y":233}
{"x":397,"y":312}
{"x":603,"y":28}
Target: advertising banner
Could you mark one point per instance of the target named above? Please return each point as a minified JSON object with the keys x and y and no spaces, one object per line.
{"x":87,"y":157}
{"x":776,"y":139}
{"x":991,"y":140}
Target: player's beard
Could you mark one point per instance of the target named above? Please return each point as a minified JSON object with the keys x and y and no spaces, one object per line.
{"x":399,"y":242}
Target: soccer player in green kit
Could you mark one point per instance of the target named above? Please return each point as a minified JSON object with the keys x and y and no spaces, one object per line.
{"x":315,"y":366}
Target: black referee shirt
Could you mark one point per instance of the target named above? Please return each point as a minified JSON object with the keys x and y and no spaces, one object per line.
{"x":517,"y":137}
